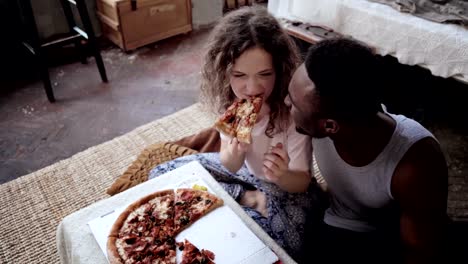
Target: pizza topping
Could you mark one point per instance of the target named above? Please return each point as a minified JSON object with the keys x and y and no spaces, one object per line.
{"x":199,"y":187}
{"x":130,"y":240}
{"x":148,"y":208}
{"x":155,"y":231}
{"x":208,"y":253}
{"x":133,"y":220}
{"x":139,"y":246}
{"x":180,"y":245}
{"x":170,"y":241}
{"x":192,"y":255}
{"x":184,"y":219}
{"x":187,"y":196}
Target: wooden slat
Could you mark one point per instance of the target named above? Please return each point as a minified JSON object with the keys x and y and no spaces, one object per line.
{"x":62,"y":41}
{"x":108,"y":21}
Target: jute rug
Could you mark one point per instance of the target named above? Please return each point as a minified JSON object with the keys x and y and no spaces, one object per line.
{"x":32,"y":206}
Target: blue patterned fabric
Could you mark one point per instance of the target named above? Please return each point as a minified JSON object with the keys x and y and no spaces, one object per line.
{"x":287,"y":212}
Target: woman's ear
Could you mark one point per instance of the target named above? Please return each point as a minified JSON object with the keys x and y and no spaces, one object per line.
{"x":331,"y":126}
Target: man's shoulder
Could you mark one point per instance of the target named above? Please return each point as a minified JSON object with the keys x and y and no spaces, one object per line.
{"x":423,"y":165}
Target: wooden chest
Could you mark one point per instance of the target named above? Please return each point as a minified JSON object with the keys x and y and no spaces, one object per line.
{"x":134,"y":23}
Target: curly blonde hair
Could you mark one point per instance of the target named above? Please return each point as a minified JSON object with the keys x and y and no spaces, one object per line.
{"x":235,"y":33}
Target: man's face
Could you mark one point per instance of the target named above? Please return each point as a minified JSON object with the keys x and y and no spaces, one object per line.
{"x":305,"y":104}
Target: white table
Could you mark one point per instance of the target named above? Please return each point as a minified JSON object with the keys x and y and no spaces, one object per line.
{"x":76,"y":243}
{"x":441,"y":48}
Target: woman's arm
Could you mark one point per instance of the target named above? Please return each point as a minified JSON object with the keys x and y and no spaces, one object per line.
{"x":295,"y":181}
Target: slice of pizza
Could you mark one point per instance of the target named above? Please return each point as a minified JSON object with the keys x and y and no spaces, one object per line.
{"x":248,"y":113}
{"x":192,"y":255}
{"x":191,"y":205}
{"x":227,"y":123}
{"x":239,"y":119}
{"x":144,"y":231}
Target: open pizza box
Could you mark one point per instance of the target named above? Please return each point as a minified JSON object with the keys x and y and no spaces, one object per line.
{"x":221,"y":231}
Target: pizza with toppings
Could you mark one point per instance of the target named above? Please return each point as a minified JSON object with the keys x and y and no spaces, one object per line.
{"x":145,"y":231}
{"x":239,"y":118}
{"x":190,"y":205}
{"x":192,"y":255}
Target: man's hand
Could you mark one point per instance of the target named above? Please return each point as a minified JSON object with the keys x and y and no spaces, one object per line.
{"x":276,"y":163}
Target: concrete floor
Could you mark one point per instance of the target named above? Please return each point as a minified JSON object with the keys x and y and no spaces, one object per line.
{"x":145,"y":85}
{"x":162,"y":78}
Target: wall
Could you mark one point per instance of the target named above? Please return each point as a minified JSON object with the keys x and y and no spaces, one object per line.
{"x":206,"y":12}
{"x":312,"y":11}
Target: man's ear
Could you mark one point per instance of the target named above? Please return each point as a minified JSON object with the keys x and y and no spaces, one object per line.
{"x":331,"y":126}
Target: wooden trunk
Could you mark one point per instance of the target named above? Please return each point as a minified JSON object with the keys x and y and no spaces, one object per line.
{"x":132,"y":24}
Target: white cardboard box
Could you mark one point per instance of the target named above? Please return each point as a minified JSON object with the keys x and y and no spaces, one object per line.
{"x":221,"y":231}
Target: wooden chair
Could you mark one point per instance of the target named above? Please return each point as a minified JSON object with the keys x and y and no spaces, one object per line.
{"x":33,"y":44}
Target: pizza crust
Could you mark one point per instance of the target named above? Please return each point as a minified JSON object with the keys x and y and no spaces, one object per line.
{"x":112,"y":252}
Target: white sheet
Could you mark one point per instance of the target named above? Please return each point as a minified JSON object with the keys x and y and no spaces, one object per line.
{"x":441,"y":48}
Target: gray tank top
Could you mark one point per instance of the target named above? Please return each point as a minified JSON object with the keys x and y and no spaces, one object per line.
{"x":358,"y":194}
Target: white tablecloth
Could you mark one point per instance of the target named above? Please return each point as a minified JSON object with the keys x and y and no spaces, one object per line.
{"x":76,"y":243}
{"x":441,"y":48}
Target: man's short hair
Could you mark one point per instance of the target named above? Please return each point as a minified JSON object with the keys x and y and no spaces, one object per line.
{"x":344,"y":72}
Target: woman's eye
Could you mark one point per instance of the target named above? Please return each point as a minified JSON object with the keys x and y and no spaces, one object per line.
{"x":266,"y":74}
{"x":238,"y":75}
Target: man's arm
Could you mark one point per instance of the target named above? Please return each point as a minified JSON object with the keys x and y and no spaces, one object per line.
{"x":419,"y":185}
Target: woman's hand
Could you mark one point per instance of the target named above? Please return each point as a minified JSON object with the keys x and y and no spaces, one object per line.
{"x":276,"y":170}
{"x":276,"y":164}
{"x":236,"y":148}
{"x":233,"y":154}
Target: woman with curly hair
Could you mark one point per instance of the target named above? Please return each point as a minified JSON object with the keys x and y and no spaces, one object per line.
{"x":249,"y":55}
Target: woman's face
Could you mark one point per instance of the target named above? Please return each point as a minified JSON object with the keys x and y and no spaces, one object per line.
{"x":253,"y":74}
